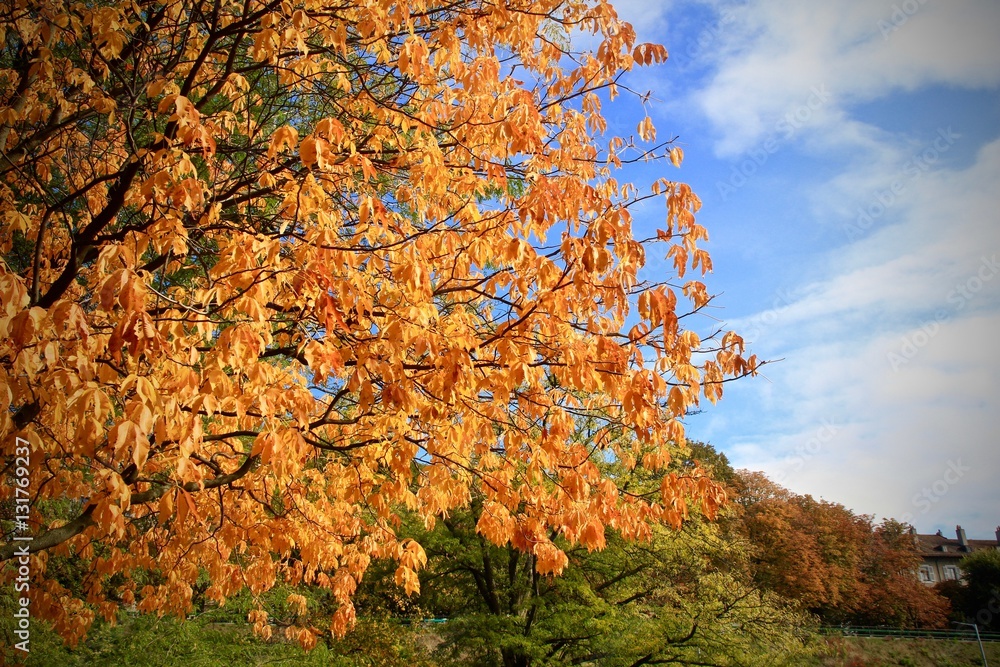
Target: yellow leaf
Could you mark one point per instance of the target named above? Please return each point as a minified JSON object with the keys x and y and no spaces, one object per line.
{"x":166,"y":506}
{"x":141,"y":451}
{"x":285,"y":136}
{"x":676,"y":156}
{"x":676,"y":402}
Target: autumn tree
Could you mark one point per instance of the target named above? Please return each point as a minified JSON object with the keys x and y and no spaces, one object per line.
{"x":806,"y":550}
{"x":892,"y":593}
{"x":260,"y":257}
{"x":837,"y":564}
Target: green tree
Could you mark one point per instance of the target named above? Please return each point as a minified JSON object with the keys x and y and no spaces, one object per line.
{"x":982,"y":588}
{"x":677,"y":597}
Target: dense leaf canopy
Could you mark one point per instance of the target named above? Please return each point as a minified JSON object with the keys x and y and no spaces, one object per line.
{"x":840,"y":566}
{"x":260,"y":258}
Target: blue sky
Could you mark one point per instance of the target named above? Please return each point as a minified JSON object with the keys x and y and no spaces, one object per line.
{"x":848,"y":157}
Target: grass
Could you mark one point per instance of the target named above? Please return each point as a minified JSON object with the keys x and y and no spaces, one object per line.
{"x":147,"y":641}
{"x":893,"y":652}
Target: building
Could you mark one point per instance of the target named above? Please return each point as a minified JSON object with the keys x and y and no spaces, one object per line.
{"x":942,"y":554}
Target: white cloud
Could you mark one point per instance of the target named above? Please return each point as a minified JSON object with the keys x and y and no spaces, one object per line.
{"x":647,"y":18}
{"x":896,"y":348}
{"x":777,"y":51}
{"x":944,"y":237}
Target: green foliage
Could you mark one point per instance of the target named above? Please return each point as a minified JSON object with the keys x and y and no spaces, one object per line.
{"x":680,"y":597}
{"x":713,"y":462}
{"x":981,"y":598}
{"x":219,"y":638}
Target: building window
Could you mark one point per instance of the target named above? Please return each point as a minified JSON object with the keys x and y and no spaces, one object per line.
{"x":926,"y":574}
{"x":950,"y":573}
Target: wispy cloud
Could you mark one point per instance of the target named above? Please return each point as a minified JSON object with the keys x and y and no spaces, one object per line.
{"x":894,"y":348}
{"x":778,"y":49}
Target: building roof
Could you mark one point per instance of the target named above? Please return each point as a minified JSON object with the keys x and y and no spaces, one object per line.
{"x":939,"y":546}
